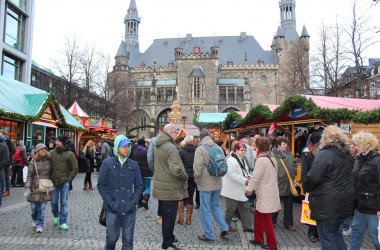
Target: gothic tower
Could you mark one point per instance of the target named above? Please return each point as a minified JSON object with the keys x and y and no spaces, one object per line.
{"x":132,"y":21}
{"x":288,"y":13}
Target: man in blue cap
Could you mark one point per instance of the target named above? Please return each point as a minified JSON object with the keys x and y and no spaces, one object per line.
{"x":120,"y":186}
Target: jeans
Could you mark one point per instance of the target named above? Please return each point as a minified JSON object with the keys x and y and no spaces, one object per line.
{"x":210,"y":205}
{"x":127,"y":225}
{"x":191,"y":186}
{"x":146,"y":183}
{"x":38,"y":212}
{"x":168,"y":211}
{"x":288,"y":211}
{"x":1,"y":191}
{"x":360,"y":223}
{"x":7,"y":181}
{"x":329,"y":235}
{"x":60,"y":193}
{"x":346,"y":224}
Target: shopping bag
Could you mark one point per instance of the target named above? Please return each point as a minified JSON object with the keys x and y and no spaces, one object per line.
{"x":305,"y":212}
{"x":24,"y":173}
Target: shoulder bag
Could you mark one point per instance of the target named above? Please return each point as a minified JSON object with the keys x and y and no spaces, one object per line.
{"x":44,"y":185}
{"x":292,"y":183}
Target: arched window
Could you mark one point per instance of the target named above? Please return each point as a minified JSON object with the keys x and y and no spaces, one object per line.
{"x":163,"y":117}
{"x":372,"y":90}
{"x":263,"y":78}
{"x":230,"y":109}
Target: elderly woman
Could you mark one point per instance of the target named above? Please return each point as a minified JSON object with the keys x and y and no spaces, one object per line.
{"x":187,"y":156}
{"x":367,"y":190}
{"x":39,"y":167}
{"x":233,"y":189}
{"x":264,"y":183}
{"x":330,"y":182}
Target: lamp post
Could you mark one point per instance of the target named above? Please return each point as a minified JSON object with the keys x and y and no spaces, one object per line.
{"x":183,"y":121}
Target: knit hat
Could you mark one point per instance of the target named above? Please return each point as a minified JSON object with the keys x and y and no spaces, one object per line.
{"x":141,"y":142}
{"x":131,"y":136}
{"x":40,"y":146}
{"x":204,"y":132}
{"x":315,"y":137}
{"x":63,"y":139}
{"x":21,"y":143}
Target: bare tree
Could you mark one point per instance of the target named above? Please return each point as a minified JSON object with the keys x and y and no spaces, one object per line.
{"x":69,"y":68}
{"x":89,"y":61}
{"x":330,"y":59}
{"x":361,"y":36}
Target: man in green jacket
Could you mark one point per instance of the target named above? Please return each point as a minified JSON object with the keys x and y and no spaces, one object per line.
{"x":169,"y":183}
{"x":64,"y":169}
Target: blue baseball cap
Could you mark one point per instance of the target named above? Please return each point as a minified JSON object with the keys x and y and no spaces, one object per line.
{"x":124,"y":143}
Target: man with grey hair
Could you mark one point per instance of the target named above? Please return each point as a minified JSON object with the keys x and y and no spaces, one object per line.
{"x":169,"y":183}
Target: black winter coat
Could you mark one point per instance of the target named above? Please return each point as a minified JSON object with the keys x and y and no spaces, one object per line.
{"x":140,"y":156}
{"x":367,"y":183}
{"x":187,"y":157}
{"x":330,"y":182}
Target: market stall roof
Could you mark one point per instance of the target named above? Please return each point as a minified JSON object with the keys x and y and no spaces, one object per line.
{"x":28,"y":103}
{"x":216,"y":117}
{"x":75,"y":109}
{"x":340,"y":102}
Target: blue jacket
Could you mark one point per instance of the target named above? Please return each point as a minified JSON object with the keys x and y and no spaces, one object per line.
{"x":120,"y":186}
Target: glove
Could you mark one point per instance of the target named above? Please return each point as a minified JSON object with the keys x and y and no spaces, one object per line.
{"x":27,"y":192}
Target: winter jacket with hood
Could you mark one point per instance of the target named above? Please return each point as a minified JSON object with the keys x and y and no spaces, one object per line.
{"x":330,"y":182}
{"x":120,"y":184}
{"x":187,"y":157}
{"x":64,"y":165}
{"x":170,"y":178}
{"x":367,"y":182}
{"x":140,"y":156}
{"x":43,"y":165}
{"x":204,"y":181}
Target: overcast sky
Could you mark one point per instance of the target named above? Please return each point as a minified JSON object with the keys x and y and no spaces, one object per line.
{"x":100,"y":23}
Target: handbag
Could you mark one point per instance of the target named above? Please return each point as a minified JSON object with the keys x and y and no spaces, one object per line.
{"x":102,"y":217}
{"x":305,"y":212}
{"x":292,"y":183}
{"x":44,"y":185}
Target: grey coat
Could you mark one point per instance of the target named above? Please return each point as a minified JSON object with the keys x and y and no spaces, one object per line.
{"x":44,"y":168}
{"x":291,"y":164}
{"x":4,"y":159}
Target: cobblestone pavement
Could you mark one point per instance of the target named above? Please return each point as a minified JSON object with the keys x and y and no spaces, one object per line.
{"x":16,"y":232}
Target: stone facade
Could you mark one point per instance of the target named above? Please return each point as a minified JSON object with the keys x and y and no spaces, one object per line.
{"x":205,"y":74}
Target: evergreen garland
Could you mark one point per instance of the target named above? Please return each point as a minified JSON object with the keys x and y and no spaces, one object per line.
{"x":143,"y":126}
{"x":233,"y":116}
{"x":367,"y":117}
{"x":259,"y":109}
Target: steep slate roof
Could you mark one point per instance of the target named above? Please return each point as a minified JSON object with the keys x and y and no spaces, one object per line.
{"x":122,"y":50}
{"x":230,"y":47}
{"x":27,"y":101}
{"x":304,"y":32}
{"x":290,"y":33}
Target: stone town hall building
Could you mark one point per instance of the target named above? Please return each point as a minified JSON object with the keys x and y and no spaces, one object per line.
{"x":205,"y":74}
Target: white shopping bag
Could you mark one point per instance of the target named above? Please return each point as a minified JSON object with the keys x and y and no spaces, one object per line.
{"x":24,"y":173}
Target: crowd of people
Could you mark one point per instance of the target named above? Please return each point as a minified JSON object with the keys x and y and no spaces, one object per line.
{"x":342,"y":177}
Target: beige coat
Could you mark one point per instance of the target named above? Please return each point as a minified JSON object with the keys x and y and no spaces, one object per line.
{"x":264,"y":182}
{"x":204,"y":181}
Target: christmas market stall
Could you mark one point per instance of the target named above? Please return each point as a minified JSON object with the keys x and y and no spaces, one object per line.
{"x":33,"y":115}
{"x":299,"y":115}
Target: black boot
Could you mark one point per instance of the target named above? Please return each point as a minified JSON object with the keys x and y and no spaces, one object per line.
{"x":140,"y":202}
{"x":145,"y":201}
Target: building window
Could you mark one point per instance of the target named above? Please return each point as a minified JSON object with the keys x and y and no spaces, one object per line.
{"x":197,"y":50}
{"x":14,"y":29}
{"x":222,"y":94}
{"x":231,"y":94}
{"x":378,"y":88}
{"x":240,"y":94}
{"x":163,"y":117}
{"x":364,"y":90}
{"x":146,"y":96}
{"x":263,"y":78}
{"x":372,"y":90}
{"x":169,"y":95}
{"x":143,"y":120}
{"x":11,"y":68}
{"x":160,"y":95}
{"x":196,"y":109}
{"x":196,"y":88}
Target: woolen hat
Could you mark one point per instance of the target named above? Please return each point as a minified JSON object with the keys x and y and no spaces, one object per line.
{"x":131,"y":136}
{"x":204,"y":132}
{"x":40,"y":146}
{"x":63,"y":139}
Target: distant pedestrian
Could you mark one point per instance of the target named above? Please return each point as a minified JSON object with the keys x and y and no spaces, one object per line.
{"x":120,"y":186}
{"x":169,"y":183}
{"x":105,"y":150}
{"x":39,"y":168}
{"x":64,"y":170}
{"x":4,"y":161}
{"x":89,"y":152}
{"x":209,"y":189}
{"x":20,"y":160}
{"x":11,"y":149}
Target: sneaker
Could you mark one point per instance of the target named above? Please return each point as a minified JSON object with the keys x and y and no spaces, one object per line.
{"x":39,"y":229}
{"x":224,"y":233}
{"x":346,"y":232}
{"x":203,"y":238}
{"x":64,"y":226}
{"x":56,"y":221}
{"x":290,"y":228}
{"x":234,"y":219}
{"x":175,"y":242}
{"x":34,"y":224}
{"x":172,"y":248}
